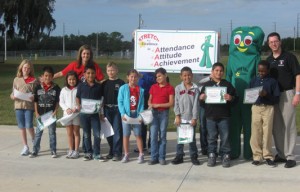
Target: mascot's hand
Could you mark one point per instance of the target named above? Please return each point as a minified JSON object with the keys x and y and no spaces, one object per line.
{"x":296,"y":100}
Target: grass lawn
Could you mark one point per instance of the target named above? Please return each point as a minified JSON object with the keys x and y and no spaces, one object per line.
{"x":9,"y":68}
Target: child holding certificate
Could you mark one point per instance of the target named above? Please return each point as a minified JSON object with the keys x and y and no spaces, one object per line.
{"x":130,"y":104}
{"x":88,"y":99}
{"x":67,"y":101}
{"x":262,"y":115}
{"x":46,"y":99}
{"x":186,"y":110}
{"x":220,"y":93}
{"x":24,"y":83}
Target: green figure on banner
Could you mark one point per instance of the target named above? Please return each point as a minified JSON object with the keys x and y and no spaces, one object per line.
{"x":205,"y":61}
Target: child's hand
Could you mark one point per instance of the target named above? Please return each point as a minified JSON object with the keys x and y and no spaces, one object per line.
{"x":124,"y":118}
{"x":37,"y":115}
{"x":194,"y":122}
{"x":202,"y":97}
{"x":12,"y":97}
{"x":69,"y":111}
{"x":227,"y":97}
{"x":262,"y":93}
{"x":177,"y":120}
{"x":31,"y":98}
{"x":101,"y":116}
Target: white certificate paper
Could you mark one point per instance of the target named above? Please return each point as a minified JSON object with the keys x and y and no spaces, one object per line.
{"x":45,"y":120}
{"x":131,"y":120}
{"x":215,"y":95}
{"x":90,"y":106}
{"x":106,"y":129}
{"x":252,"y":94}
{"x":185,"y":133}
{"x":147,"y":116}
{"x":22,"y":96}
{"x":65,"y":119}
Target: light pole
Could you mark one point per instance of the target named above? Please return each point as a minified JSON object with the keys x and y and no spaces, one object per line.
{"x":5,"y":44}
{"x":63,"y":39}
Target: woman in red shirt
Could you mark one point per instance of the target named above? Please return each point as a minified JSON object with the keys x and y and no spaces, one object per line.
{"x":84,"y":57}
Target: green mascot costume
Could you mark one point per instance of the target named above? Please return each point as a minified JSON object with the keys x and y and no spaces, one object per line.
{"x":244,"y":56}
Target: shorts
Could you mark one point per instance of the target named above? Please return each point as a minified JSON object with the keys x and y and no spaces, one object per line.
{"x":24,"y":118}
{"x":75,"y":121}
{"x":137,"y":128}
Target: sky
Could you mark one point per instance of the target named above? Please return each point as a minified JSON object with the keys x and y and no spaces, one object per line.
{"x":91,"y":16}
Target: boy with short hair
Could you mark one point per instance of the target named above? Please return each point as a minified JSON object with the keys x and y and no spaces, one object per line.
{"x":186,"y":111}
{"x":218,"y":117}
{"x":46,"y":98}
{"x":111,"y":112}
{"x":262,"y":115}
{"x":90,"y":91}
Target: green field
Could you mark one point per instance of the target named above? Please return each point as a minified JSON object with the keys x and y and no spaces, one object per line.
{"x":8,"y":72}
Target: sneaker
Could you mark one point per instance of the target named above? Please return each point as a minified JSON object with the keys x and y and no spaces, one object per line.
{"x":53,"y":154}
{"x":195,"y":161}
{"x":256,"y":163}
{"x":33,"y":155}
{"x":153,"y":162}
{"x":70,"y":153}
{"x":87,"y":157}
{"x":109,"y":156}
{"x":211,"y":162}
{"x":75,"y":155}
{"x":25,"y":151}
{"x":162,"y":162}
{"x":177,"y":160}
{"x":270,"y":163}
{"x":102,"y":159}
{"x":226,"y":161}
{"x":116,"y":158}
{"x":140,"y":159}
{"x":290,"y":164}
{"x":125,"y":159}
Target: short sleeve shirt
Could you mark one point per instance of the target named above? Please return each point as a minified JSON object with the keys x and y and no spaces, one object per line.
{"x":161,"y":94}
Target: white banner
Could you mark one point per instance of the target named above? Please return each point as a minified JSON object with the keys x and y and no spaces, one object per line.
{"x":173,"y":50}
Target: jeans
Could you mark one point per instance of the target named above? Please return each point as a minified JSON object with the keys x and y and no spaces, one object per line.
{"x":203,"y":129}
{"x":192,"y":148}
{"x":217,"y":127}
{"x":115,"y":142}
{"x":89,"y":122}
{"x":52,"y":138}
{"x":24,"y":118}
{"x":158,"y":131}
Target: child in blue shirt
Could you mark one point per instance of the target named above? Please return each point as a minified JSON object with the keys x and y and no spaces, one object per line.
{"x":262,"y":115}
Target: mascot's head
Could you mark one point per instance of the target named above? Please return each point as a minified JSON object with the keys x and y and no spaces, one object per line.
{"x":246,"y":40}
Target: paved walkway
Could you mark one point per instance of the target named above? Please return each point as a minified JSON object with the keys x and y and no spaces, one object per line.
{"x":22,"y":174}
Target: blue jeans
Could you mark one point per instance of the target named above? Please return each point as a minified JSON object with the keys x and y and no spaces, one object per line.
{"x":203,"y":129}
{"x":193,"y":148}
{"x":217,"y":127}
{"x":38,"y":138}
{"x":89,"y":122}
{"x":24,"y":118}
{"x":158,"y":131}
{"x":115,"y":142}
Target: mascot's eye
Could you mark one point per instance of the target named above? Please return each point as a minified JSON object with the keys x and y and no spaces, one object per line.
{"x":248,"y":40}
{"x":237,"y":39}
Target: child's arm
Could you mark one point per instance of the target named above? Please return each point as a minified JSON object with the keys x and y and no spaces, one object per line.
{"x":150,"y":102}
{"x":55,"y":110}
{"x":36,"y":110}
{"x":78,"y":103}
